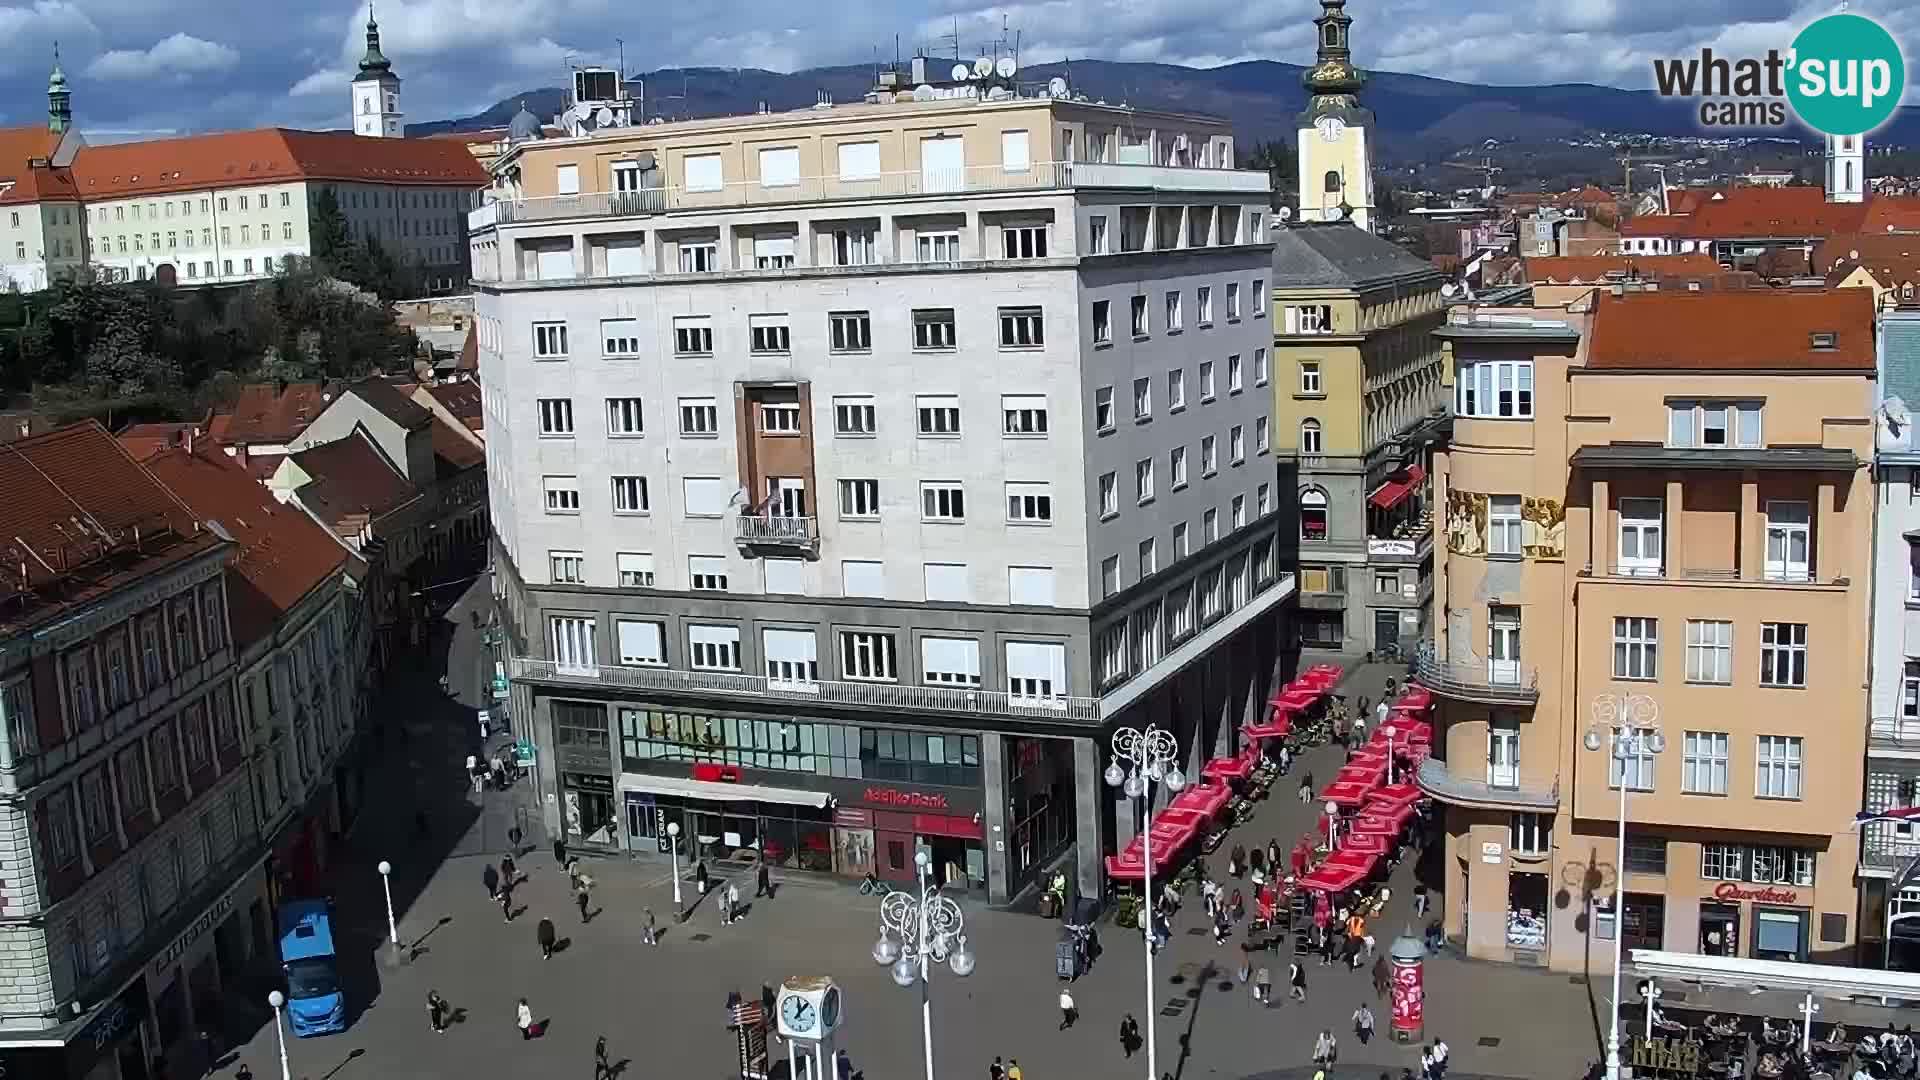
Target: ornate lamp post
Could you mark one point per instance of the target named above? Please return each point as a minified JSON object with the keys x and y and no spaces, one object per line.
{"x":1627,"y":727}
{"x":918,"y":930}
{"x":1150,"y":757}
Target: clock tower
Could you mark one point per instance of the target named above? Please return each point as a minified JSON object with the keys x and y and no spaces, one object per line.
{"x":1335,"y":132}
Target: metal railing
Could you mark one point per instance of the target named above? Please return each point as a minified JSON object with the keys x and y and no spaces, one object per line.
{"x":1437,"y":780}
{"x":1894,"y":732}
{"x":823,"y":692}
{"x":1478,"y":679}
{"x":772,"y":530}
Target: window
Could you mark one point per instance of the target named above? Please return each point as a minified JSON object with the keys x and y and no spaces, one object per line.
{"x":1703,"y":763}
{"x":1036,"y":671}
{"x":1024,"y":414}
{"x":1137,"y":305}
{"x":703,"y":172}
{"x":1029,"y":503}
{"x":948,"y":582}
{"x":629,"y":494}
{"x":699,"y":257}
{"x":1173,"y":312}
{"x":1097,"y":235}
{"x":1789,"y":530}
{"x":779,"y":166}
{"x":1205,"y":297}
{"x":692,"y":335}
{"x":713,"y":648}
{"x":1143,"y":481}
{"x":780,"y":417}
{"x":1722,"y":862}
{"x":549,"y":341}
{"x":853,"y":416}
{"x":1310,"y":378}
{"x":1177,"y":466}
{"x":1024,"y":241}
{"x":556,"y":417}
{"x":1030,"y":585}
{"x":938,"y":415}
{"x":1238,"y":513}
{"x":1713,"y":425}
{"x":1259,"y":284}
{"x":1237,"y":444}
{"x":1783,"y":654}
{"x":1109,"y":496}
{"x":1637,"y":766}
{"x":942,"y":500}
{"x":1109,"y":576}
{"x":867,"y":656}
{"x":1503,"y":525}
{"x":1262,"y":436}
{"x":699,"y":416}
{"x":933,"y":329}
{"x":63,"y":843}
{"x":859,"y":160}
{"x":1777,"y":767}
{"x":1495,"y":389}
{"x":951,"y":662}
{"x":1709,"y":652}
{"x":1530,"y":834}
{"x":704,"y":496}
{"x":567,"y":567}
{"x":850,"y":331}
{"x":1235,"y":376}
{"x":563,"y":494}
{"x":785,"y":575}
{"x":1143,"y":399}
{"x":619,"y":337}
{"x":624,"y":418}
{"x":860,"y":499}
{"x":1176,"y":389}
{"x":943,"y":246}
{"x":1641,"y":529}
{"x":1021,"y":328}
{"x":1233,"y":300}
{"x":1636,"y":647}
{"x":635,"y":568}
{"x":863,"y":578}
{"x":1102,"y":322}
{"x":1261,"y":368}
{"x":96,"y":818}
{"x":16,"y":709}
{"x":1206,"y":381}
{"x":1103,"y":421}
{"x":1210,"y":526}
{"x":1209,"y":458}
{"x":1149,"y":557}
{"x":768,"y":333}
{"x":854,"y":247}
{"x":707,"y":573}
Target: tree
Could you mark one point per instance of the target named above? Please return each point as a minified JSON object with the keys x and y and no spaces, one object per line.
{"x":1281,"y":165}
{"x":332,"y":243}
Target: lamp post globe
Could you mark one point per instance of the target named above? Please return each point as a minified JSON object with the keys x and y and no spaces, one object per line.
{"x":673,"y":828}
{"x":905,"y":971}
{"x":385,"y":868}
{"x":1115,"y":775}
{"x":885,"y":951}
{"x":276,"y":999}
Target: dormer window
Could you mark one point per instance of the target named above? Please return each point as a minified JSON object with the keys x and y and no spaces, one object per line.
{"x":1824,"y":339}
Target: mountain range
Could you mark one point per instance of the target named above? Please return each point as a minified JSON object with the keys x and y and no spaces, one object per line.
{"x":1417,"y":116}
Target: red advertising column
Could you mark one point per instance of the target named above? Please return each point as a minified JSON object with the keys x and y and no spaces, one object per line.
{"x":1408,"y":958}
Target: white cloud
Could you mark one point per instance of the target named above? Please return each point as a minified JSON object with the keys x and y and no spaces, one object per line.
{"x":180,"y":55}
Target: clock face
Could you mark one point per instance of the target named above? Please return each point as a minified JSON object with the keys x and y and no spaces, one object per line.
{"x":830,"y":1007}
{"x":1331,"y":128}
{"x":798,"y":1013}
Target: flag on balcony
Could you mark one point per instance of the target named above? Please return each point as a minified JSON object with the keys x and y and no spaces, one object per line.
{"x":1892,"y":813}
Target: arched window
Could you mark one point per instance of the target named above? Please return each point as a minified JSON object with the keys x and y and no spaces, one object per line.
{"x":1846,"y":144}
{"x":1313,"y":514}
{"x":1333,"y":181}
{"x":1847,"y":170}
{"x":1331,"y":34}
{"x":1310,"y":436}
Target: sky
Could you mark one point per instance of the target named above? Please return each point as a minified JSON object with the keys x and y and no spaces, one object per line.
{"x":151,"y":66}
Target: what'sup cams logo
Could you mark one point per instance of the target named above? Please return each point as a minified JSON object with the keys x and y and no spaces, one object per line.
{"x":1843,"y":75}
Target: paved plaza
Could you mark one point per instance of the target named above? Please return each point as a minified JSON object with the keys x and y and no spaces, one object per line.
{"x":661,"y":1008}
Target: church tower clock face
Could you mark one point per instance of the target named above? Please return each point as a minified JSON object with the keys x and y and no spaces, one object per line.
{"x":1331,"y":128}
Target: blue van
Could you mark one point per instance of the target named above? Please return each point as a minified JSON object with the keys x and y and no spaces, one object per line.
{"x":315,"y":1003}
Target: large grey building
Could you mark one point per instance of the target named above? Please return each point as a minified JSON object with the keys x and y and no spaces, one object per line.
{"x":854,"y":472}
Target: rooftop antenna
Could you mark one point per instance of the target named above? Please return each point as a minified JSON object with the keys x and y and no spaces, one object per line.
{"x":622,"y":43}
{"x":954,"y":37}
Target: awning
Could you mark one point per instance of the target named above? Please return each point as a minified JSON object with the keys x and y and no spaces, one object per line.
{"x":721,"y":792}
{"x":1332,"y":879}
{"x":1393,"y":492}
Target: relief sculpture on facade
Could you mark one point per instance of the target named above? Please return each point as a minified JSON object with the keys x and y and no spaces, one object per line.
{"x":1466,"y":523}
{"x":1543,"y":528}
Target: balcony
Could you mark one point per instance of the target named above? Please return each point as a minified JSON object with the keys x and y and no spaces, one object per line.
{"x":1482,"y":681}
{"x":761,"y":534}
{"x":1883,"y":852}
{"x":1459,"y":789}
{"x":1412,"y":547}
{"x":1894,"y":736}
{"x":891,"y":697}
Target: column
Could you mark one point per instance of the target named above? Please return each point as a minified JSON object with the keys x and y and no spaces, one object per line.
{"x":1088,"y":789}
{"x":1828,"y":534}
{"x":993,"y":813}
{"x":1753,"y":532}
{"x":1600,"y":544}
{"x":1673,"y":561}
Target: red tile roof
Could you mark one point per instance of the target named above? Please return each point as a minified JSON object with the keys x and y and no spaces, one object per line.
{"x":1754,"y":212}
{"x":19,"y":146}
{"x":1887,"y":252}
{"x":266,"y":156}
{"x":284,"y":554}
{"x":391,"y":402}
{"x":454,"y":451}
{"x":462,"y":400}
{"x":351,"y":481}
{"x":266,"y":413}
{"x":1758,"y":330}
{"x":80,"y":517}
{"x":145,"y":440}
{"x":1571,"y":269}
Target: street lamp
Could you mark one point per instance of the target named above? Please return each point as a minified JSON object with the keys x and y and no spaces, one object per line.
{"x":918,"y":930}
{"x":673,"y":837}
{"x":386,"y":886}
{"x":1151,"y":756}
{"x":277,"y":999}
{"x":1628,"y":727}
{"x":1333,"y":826}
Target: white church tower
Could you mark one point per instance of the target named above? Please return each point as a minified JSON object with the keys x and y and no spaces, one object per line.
{"x":376,"y":90}
{"x":1335,"y":132}
{"x":1846,"y":168}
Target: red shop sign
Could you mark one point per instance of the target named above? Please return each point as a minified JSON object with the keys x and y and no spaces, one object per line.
{"x":1729,"y":891}
{"x":917,"y":800}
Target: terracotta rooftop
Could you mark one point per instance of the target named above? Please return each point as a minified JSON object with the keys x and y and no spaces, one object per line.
{"x":284,"y":554}
{"x":145,"y":440}
{"x":1755,"y":330}
{"x":266,"y":413}
{"x":19,"y":146}
{"x":79,"y":519}
{"x":351,"y":480}
{"x":1582,"y":269}
{"x":269,"y":155}
{"x":454,"y":451}
{"x":391,"y":402}
{"x":462,"y":399}
{"x":1881,"y":252}
{"x":1753,"y":212}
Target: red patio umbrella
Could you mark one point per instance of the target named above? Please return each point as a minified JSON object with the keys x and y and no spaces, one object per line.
{"x":1363,"y":861}
{"x":1370,"y":842}
{"x":1345,"y":793}
{"x":1370,"y":773}
{"x":1277,"y":726}
{"x":1331,"y":879}
{"x":1399,"y":794}
{"x":1227,"y":768}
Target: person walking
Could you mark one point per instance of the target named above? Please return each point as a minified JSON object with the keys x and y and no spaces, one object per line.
{"x":523,"y":1019}
{"x":508,"y":871}
{"x":544,"y":933}
{"x":1382,"y":981}
{"x":996,"y":1071}
{"x":491,"y":879}
{"x":437,"y":1012}
{"x":651,"y":932}
{"x":506,"y":904}
{"x":733,"y":901}
{"x":1363,"y":1024}
{"x":580,"y":901}
{"x":700,"y":878}
{"x":1420,"y":901}
{"x":1013,"y":1069}
{"x":514,"y":837}
{"x":1263,"y":986}
{"x":1326,"y":1050}
{"x":473,"y":772}
{"x":600,"y":1066}
{"x":762,"y":882}
{"x":1068,"y":1014}
{"x":1129,"y":1035}
{"x":559,"y":853}
{"x":1297,"y":980}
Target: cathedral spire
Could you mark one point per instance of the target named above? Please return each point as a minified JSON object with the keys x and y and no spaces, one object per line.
{"x":59,"y":98}
{"x":375,"y":61}
{"x":1333,"y":73}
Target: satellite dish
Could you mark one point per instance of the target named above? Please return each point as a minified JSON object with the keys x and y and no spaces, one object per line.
{"x":923,"y":92}
{"x":1856,"y":254}
{"x":1285,"y":213}
{"x":961,"y":72}
{"x":603,"y":117}
{"x":1057,"y":86}
{"x":1005,"y":67}
{"x":983,"y":67}
{"x":1447,"y":290}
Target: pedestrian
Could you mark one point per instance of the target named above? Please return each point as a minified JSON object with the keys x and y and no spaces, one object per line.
{"x":600,"y":1066}
{"x":1440,"y":1056}
{"x":437,"y":1011}
{"x":544,"y":933}
{"x":506,"y":904}
{"x":1382,"y":982}
{"x":491,"y":879}
{"x":1326,"y":1049}
{"x":559,"y":853}
{"x":514,"y":837}
{"x":1068,"y":1014}
{"x":700,"y":876}
{"x":484,"y":733}
{"x":733,"y":901}
{"x":243,"y":1072}
{"x":523,"y":1019}
{"x":996,"y":1071}
{"x":1129,"y":1035}
{"x":443,"y":684}
{"x":498,"y":766}
{"x":1286,"y":760}
{"x":1297,"y":978}
{"x":580,"y":899}
{"x":1013,"y":1069}
{"x":508,"y":872}
{"x":1420,"y":901}
{"x":1263,"y":986}
{"x":1236,"y":860}
{"x":762,"y":882}
{"x":1273,"y":857}
{"x":1363,"y":1024}
{"x":473,"y":772}
{"x":651,"y":934}
{"x":1306,"y":788}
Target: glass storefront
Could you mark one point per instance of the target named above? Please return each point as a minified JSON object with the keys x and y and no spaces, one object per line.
{"x":1041,"y":805}
{"x":851,"y":751}
{"x":800,"y":837}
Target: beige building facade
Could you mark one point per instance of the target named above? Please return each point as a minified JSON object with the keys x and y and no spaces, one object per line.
{"x":1670,"y":503}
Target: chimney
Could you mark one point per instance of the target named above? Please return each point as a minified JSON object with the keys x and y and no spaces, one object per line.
{"x":919,"y":70}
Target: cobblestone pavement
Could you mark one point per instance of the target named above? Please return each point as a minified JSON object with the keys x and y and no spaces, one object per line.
{"x":661,"y":1008}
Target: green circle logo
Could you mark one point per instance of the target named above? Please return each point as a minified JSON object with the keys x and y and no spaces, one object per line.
{"x":1846,"y":75}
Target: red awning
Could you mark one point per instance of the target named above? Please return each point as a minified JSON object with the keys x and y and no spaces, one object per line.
{"x":1396,"y":795}
{"x":1367,"y":841}
{"x":1332,"y":879}
{"x":1415,"y":474}
{"x":1228,"y":768}
{"x":1345,"y":793}
{"x":1363,"y":861}
{"x":1371,"y":773}
{"x":1390,"y":494}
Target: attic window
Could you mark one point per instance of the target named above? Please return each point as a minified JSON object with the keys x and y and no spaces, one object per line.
{"x":1824,"y":339}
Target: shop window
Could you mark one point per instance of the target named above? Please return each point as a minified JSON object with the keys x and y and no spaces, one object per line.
{"x":1646,"y":854}
{"x":1643,"y":921}
{"x":1527,"y":911}
{"x":1779,"y":934}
